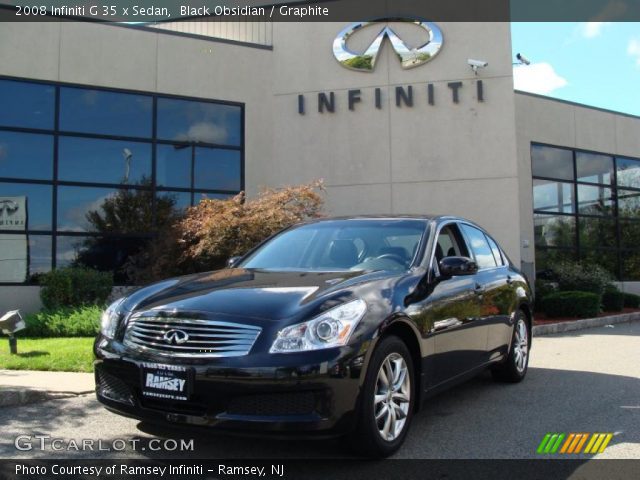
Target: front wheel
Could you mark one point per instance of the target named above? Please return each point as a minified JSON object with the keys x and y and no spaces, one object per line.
{"x":515,"y":367}
{"x":387,"y":400}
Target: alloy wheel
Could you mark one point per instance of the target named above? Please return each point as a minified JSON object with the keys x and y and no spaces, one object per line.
{"x":521,"y":346}
{"x":392,"y":396}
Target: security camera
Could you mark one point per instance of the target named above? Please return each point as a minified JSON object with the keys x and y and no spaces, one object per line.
{"x":475,"y":64}
{"x":522,"y":59}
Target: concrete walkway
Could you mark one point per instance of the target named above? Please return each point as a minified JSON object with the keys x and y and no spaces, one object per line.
{"x":18,"y":387}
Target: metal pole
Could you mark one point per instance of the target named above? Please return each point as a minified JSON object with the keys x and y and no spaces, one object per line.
{"x":13,"y":345}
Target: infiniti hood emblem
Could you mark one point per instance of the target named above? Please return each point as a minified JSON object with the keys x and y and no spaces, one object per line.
{"x":176,"y":337}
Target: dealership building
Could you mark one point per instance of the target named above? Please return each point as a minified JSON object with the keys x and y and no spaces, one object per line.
{"x":392,"y":116}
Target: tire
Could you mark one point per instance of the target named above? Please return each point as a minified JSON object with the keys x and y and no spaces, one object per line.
{"x":514,"y":368}
{"x":390,"y":358}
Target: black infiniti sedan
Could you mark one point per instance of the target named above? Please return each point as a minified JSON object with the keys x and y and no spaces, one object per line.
{"x":332,"y":327}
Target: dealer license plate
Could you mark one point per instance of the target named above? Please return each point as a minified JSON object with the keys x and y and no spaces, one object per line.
{"x":170,"y":382}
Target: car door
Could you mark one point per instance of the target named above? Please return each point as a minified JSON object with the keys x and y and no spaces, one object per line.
{"x":490,"y":287}
{"x":504,"y":300}
{"x":453,"y":309}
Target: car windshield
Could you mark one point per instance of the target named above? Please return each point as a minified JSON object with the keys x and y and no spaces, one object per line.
{"x":330,"y":245}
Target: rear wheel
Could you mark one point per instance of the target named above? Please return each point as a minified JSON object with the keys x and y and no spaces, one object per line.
{"x":515,"y":366}
{"x":387,"y":400}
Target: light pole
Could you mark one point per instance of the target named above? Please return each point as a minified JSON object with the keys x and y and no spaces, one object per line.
{"x":126,"y":153}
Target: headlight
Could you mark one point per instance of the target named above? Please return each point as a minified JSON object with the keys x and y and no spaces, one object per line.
{"x":331,"y":329}
{"x":109,"y":320}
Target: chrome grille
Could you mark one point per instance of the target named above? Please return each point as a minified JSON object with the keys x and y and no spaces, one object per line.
{"x":187,"y":337}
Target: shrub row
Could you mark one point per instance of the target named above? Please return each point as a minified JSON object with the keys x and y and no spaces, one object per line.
{"x":631,"y":300}
{"x":75,"y":287}
{"x":64,"y":322}
{"x":571,"y":304}
{"x":612,"y":299}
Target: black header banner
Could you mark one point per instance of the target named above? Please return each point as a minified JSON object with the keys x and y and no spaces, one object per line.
{"x":159,"y":11}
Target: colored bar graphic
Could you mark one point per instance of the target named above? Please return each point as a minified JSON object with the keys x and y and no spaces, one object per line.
{"x":550,"y":443}
{"x":574,"y":442}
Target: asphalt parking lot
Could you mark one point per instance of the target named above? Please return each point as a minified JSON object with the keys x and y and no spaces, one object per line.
{"x":583,"y":381}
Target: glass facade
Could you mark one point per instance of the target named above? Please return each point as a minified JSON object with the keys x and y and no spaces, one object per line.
{"x":586,"y":206}
{"x":89,"y":175}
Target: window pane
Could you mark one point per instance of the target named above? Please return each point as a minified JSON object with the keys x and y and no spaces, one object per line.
{"x":628,"y":172}
{"x":480,"y":247}
{"x":628,"y":203}
{"x":39,"y":255}
{"x":25,"y":204}
{"x":173,"y":165}
{"x":551,"y":162}
{"x":597,"y":232}
{"x":554,"y":230}
{"x":26,"y":155}
{"x":97,"y":111}
{"x":14,"y":257}
{"x":104,"y":161}
{"x":630,"y":265}
{"x":548,"y":258}
{"x":607,"y":259}
{"x":190,"y":121}
{"x":29,"y":105}
{"x":217,"y":169}
{"x":594,"y":200}
{"x":103,"y":210}
{"x":629,"y":233}
{"x":109,"y":254}
{"x":552,"y":196}
{"x":594,"y":168}
{"x":179,"y":200}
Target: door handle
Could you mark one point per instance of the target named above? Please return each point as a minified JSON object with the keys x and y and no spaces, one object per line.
{"x":479,"y":290}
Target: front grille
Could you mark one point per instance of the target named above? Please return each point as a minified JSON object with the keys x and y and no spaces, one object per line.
{"x":113,"y":388}
{"x":186,"y":337}
{"x":273,"y":404}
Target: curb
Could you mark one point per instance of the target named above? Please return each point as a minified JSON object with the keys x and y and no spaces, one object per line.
{"x":561,"y":327}
{"x":13,"y":397}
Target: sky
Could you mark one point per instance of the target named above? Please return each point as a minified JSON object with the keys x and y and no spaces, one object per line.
{"x":595,"y":63}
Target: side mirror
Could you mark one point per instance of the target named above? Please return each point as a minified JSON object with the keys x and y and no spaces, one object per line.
{"x":233,"y":261}
{"x":454,"y":266}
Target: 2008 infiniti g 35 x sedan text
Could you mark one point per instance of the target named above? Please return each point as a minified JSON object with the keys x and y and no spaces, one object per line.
{"x":332,"y":327}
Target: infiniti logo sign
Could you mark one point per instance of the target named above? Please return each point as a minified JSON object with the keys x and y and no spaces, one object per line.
{"x":409,"y":57}
{"x":8,"y":206}
{"x":176,"y":337}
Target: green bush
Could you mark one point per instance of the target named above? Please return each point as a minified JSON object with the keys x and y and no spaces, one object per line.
{"x":631,"y":300}
{"x":583,"y":277}
{"x":543,"y":288}
{"x":64,"y":322}
{"x":571,"y":304}
{"x":612,"y":299}
{"x":75,"y":287}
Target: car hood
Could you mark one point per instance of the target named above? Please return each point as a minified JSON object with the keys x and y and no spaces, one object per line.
{"x":251,"y":293}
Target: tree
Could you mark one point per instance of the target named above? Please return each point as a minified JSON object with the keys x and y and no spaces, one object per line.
{"x":215,"y":230}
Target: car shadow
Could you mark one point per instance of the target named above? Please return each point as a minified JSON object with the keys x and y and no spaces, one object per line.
{"x":477,"y":419}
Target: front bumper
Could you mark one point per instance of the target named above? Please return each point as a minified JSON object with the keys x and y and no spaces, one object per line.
{"x":311,"y":393}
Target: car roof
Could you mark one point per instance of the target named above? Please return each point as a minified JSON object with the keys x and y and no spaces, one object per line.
{"x":437,"y":218}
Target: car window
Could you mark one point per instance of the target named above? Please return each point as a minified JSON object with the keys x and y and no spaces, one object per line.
{"x":450,"y":243}
{"x":497,"y":255}
{"x":480,"y":247}
{"x":330,"y":245}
